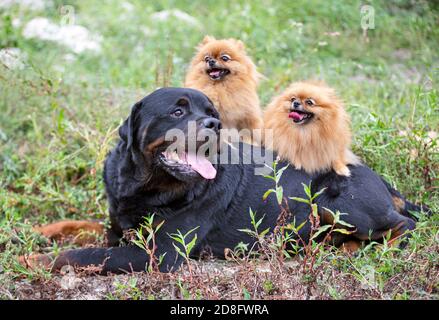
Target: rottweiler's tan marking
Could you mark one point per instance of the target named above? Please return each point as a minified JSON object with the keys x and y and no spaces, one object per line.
{"x":83,"y":232}
{"x":398,"y":203}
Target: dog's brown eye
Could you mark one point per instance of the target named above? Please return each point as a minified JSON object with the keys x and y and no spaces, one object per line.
{"x":206,"y":58}
{"x":309,"y":102}
{"x":225,"y":58}
{"x":177,"y":113}
{"x":293,"y":99}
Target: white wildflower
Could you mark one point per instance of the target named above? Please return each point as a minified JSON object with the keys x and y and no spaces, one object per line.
{"x":41,"y":28}
{"x":139,"y":48}
{"x":165,"y":15}
{"x":12,"y":58}
{"x":68,"y":57}
{"x":296,"y":25}
{"x":16,"y":22}
{"x":127,"y":6}
{"x":33,"y":5}
{"x":333,"y":34}
{"x":271,"y":11}
{"x":147,"y":31}
{"x":177,"y":60}
{"x":77,"y":38}
{"x":59,"y":68}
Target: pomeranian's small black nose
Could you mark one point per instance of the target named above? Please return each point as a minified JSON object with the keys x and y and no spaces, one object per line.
{"x":212,"y":62}
{"x":296,"y":104}
{"x":211,"y":123}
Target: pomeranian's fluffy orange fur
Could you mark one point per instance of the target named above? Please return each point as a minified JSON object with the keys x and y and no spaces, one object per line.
{"x":311,"y":128}
{"x":223,"y":71}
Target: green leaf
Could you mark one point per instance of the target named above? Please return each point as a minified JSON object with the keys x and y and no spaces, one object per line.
{"x":159,"y":226}
{"x":247,"y":295}
{"x":263,"y":233}
{"x":314,"y":209}
{"x":344,"y":231}
{"x":191,"y":244}
{"x":269,"y":177}
{"x":267,"y":193}
{"x":318,"y":193}
{"x":280,"y":172}
{"x":162,"y":256}
{"x":247,"y":231}
{"x":344,"y":223}
{"x":252,"y":214}
{"x":301,"y":225}
{"x":320,"y":231}
{"x":307,"y":190}
{"x":259,"y":222}
{"x":190,"y":231}
{"x":179,"y":251}
{"x":177,"y":237}
{"x":299,"y":199}
{"x":279,"y":194}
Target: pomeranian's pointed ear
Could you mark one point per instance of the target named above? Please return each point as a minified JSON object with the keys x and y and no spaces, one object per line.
{"x":238,"y":43}
{"x":207,"y":39}
{"x":127,"y":129}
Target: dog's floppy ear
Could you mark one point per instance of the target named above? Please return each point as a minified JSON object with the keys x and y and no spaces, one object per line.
{"x":126,"y":130}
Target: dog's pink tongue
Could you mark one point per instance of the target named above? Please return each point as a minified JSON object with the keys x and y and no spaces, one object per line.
{"x":296,"y":116}
{"x":201,"y":165}
{"x":214,"y":73}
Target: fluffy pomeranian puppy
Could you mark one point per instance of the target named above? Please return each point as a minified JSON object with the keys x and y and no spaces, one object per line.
{"x":311,"y":128}
{"x":223,"y":71}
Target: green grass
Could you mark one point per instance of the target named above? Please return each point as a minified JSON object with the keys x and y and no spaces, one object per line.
{"x":58,"y":118}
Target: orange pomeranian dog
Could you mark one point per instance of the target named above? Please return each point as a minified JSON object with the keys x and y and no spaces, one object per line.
{"x":311,"y":128}
{"x":223,"y":71}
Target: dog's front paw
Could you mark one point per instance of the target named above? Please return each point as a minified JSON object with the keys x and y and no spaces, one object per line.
{"x":35,"y":261}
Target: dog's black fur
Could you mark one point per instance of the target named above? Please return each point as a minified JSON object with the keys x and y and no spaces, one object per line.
{"x":138,"y":184}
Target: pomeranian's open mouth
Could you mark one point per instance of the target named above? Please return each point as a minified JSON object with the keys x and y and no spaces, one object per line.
{"x":300,"y":117}
{"x":217,"y":73}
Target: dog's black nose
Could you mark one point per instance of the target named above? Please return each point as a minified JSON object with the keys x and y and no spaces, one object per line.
{"x":211,"y":123}
{"x":212,"y":62}
{"x":296,"y":104}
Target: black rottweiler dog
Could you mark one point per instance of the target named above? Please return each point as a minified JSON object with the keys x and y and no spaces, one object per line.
{"x":141,"y":179}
